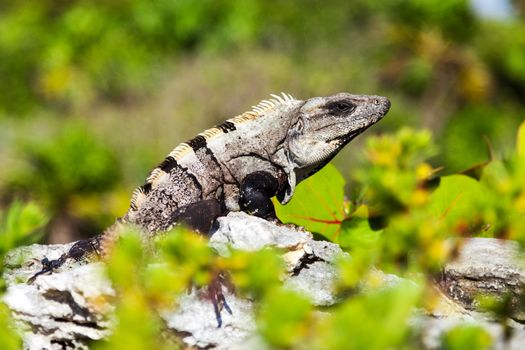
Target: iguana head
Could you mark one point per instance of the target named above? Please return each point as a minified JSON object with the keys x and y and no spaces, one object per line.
{"x":323,"y":125}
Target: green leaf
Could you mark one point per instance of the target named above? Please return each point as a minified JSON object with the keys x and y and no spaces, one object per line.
{"x":8,"y":338}
{"x":373,"y":321}
{"x":356,"y":231}
{"x":127,"y":258}
{"x":247,"y":275}
{"x":318,"y":203}
{"x":353,"y":268}
{"x":467,"y":337}
{"x":457,"y":197}
{"x":496,"y":176}
{"x":284,"y":317}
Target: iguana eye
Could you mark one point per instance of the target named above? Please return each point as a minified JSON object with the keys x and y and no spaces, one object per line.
{"x":344,"y":106}
{"x":341,"y":107}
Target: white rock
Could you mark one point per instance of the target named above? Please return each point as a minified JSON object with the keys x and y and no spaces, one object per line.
{"x":487,"y":266}
{"x":56,"y":309}
{"x":242,"y":231}
{"x":195,"y":316}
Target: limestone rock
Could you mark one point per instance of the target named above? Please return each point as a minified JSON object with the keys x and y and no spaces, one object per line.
{"x":69,"y":308}
{"x":309,"y":262}
{"x":486,"y":266}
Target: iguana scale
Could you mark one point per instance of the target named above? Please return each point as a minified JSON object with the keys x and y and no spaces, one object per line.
{"x":239,"y":165}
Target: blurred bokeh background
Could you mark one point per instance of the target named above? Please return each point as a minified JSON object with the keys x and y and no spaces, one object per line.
{"x":93,"y":94}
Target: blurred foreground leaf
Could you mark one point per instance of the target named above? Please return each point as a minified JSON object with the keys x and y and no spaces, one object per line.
{"x":356,"y":231}
{"x":8,"y":338}
{"x":470,"y":337}
{"x":247,"y":275}
{"x":376,"y":320}
{"x":394,"y":171}
{"x":139,"y":326}
{"x":284,"y":319}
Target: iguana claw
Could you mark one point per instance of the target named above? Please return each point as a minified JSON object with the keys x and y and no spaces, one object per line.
{"x":48,"y":266}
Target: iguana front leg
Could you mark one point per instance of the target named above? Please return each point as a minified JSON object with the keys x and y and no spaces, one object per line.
{"x":257,"y":189}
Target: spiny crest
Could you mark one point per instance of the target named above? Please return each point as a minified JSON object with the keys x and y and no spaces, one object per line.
{"x":210,"y":133}
{"x":277,"y":100}
{"x":137,"y":197}
{"x":176,"y":154}
{"x":263,"y":107}
{"x":155,"y":173}
{"x":180,"y":151}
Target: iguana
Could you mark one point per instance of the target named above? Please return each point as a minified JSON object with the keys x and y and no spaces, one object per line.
{"x":239,"y":165}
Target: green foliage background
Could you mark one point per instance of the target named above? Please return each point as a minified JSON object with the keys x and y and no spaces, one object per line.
{"x":95,"y":93}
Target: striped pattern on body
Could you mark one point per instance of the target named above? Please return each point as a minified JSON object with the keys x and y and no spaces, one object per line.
{"x":185,"y":148}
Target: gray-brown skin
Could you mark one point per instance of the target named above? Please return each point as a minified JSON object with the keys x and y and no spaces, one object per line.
{"x":239,"y":165}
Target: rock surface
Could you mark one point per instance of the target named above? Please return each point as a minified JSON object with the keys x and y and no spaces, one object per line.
{"x":67,"y":309}
{"x":309,"y":262}
{"x":73,"y":306}
{"x":58,"y":311}
{"x":485,"y":266}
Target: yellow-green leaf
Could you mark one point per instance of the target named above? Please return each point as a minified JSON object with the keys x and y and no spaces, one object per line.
{"x":457,"y":197}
